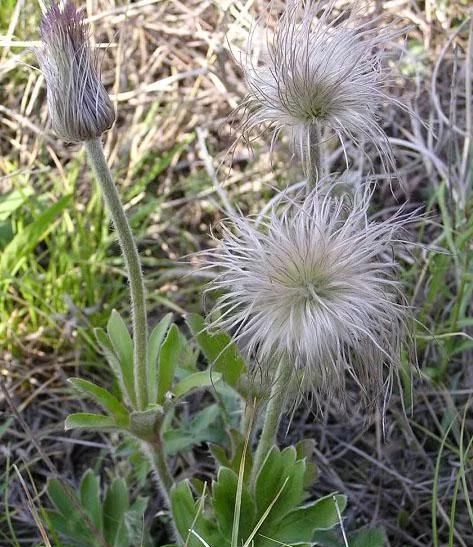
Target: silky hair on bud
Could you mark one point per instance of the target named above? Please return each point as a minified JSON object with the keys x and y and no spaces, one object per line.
{"x":79,"y":106}
{"x":322,"y":72}
{"x":315,"y":283}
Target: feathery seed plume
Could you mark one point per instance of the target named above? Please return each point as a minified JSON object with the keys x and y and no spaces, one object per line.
{"x":320,"y":70}
{"x":79,"y":106}
{"x":315,"y":283}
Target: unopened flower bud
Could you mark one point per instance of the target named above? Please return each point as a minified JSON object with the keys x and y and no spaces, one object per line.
{"x":79,"y":106}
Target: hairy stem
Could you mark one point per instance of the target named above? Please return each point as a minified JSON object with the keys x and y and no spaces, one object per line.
{"x":154,"y":452}
{"x":314,"y":165}
{"x":161,"y":471}
{"x":272,"y":416}
{"x":133,"y":266}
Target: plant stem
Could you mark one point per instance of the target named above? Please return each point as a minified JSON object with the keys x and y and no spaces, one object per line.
{"x":314,"y":160}
{"x":155,"y":454}
{"x":273,"y":414}
{"x":133,"y":266}
{"x":161,"y":471}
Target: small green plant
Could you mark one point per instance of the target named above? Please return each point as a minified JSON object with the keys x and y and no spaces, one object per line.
{"x":272,"y":510}
{"x":88,"y":520}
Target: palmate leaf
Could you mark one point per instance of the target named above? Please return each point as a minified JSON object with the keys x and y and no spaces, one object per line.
{"x":369,"y":538}
{"x":268,"y":516}
{"x":300,"y":524}
{"x":233,"y":459}
{"x":190,"y":520}
{"x":280,"y":470}
{"x":69,"y":518}
{"x":87,"y":521}
{"x":224,"y":492}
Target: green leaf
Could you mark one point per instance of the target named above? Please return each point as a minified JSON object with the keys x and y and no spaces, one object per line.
{"x":63,"y":497}
{"x":86,"y":420}
{"x":224,"y":493}
{"x":305,"y":449}
{"x":201,"y":428}
{"x":219,"y":350}
{"x":25,"y":241}
{"x":168,"y":359}
{"x":198,"y":380}
{"x":74,"y":530}
{"x":369,"y":538}
{"x":123,"y":346}
{"x":155,"y":341}
{"x":280,"y":470}
{"x":300,"y":524}
{"x":90,"y":497}
{"x":220,"y":455}
{"x":104,"y":398}
{"x":115,"y":505}
{"x":188,"y":516}
{"x":183,"y":508}
{"x":134,"y":523}
{"x":234,"y":460}
{"x":70,"y":520}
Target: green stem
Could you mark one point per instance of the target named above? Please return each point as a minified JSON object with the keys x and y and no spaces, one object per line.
{"x":160,"y":468}
{"x":133,"y":266}
{"x":273,"y":414}
{"x":155,"y":454}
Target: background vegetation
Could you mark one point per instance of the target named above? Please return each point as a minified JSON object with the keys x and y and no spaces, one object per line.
{"x":174,"y":80}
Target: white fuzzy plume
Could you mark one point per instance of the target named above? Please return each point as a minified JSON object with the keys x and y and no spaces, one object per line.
{"x":315,"y":283}
{"x":321,"y":71}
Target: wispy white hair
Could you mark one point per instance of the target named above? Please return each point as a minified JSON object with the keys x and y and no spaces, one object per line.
{"x":79,"y":107}
{"x":321,"y":71}
{"x":315,"y":282}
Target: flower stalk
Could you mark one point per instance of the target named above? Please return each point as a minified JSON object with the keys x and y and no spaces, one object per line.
{"x":272,"y":416}
{"x":132,"y":260}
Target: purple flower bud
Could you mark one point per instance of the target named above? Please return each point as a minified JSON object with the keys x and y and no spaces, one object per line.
{"x":79,"y":106}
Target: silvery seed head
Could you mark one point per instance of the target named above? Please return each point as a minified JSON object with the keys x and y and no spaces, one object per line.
{"x":315,"y":283}
{"x":321,"y":71}
{"x":79,"y":107}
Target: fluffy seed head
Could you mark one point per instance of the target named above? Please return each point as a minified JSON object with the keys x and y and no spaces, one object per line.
{"x":315,"y":283}
{"x":320,"y":70}
{"x":79,"y":107}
